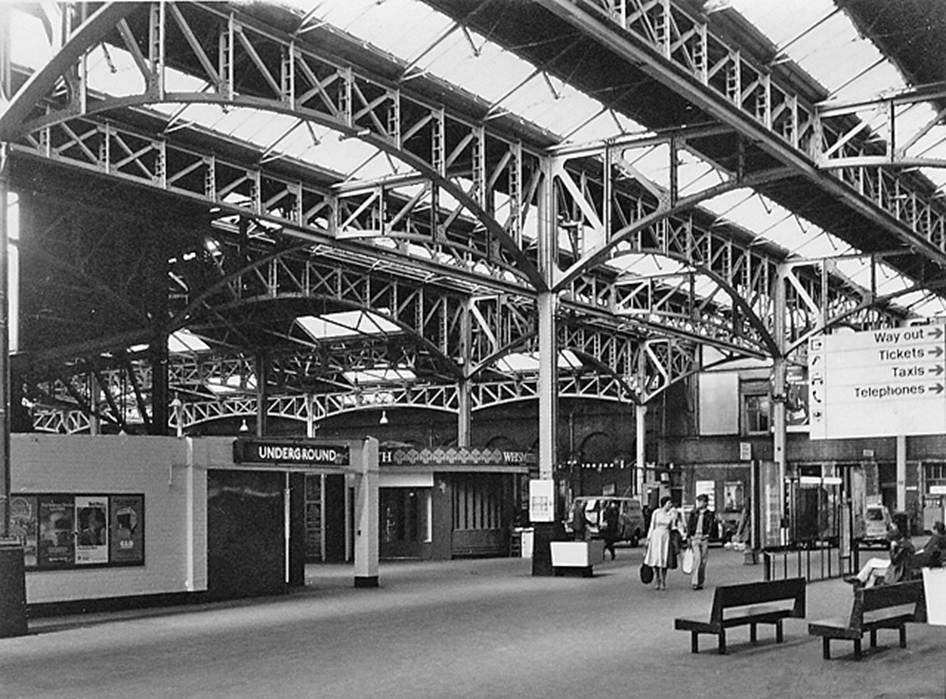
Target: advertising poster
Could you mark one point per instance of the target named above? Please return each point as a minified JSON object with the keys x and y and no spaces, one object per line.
{"x":128,"y":526}
{"x":56,"y":544}
{"x":24,"y":526}
{"x":733,"y":496}
{"x":91,"y":529}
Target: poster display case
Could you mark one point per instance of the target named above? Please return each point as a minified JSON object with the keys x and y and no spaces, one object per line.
{"x":67,"y":531}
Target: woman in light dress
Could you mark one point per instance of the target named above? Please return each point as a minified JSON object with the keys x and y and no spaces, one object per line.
{"x":662,"y":522}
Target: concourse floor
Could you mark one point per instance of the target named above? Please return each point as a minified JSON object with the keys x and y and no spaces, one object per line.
{"x":469,"y":628}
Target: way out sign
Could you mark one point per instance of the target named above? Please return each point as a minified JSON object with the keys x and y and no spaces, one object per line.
{"x":877,"y":383}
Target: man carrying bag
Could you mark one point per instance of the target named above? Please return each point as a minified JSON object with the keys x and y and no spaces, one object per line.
{"x":702,"y":526}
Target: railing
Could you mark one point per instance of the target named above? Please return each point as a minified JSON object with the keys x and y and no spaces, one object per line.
{"x":812,"y":563}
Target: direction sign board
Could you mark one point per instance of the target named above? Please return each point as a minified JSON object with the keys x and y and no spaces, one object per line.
{"x":878,"y":383}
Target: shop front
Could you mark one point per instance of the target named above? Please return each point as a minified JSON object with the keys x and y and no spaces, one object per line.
{"x":433,"y":504}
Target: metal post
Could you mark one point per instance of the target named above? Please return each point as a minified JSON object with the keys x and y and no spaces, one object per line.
{"x":778,"y":393}
{"x":902,"y":474}
{"x":12,"y":572}
{"x":464,"y":421}
{"x":4,"y":348}
{"x":262,"y":399}
{"x":640,"y":413}
{"x":465,"y":408}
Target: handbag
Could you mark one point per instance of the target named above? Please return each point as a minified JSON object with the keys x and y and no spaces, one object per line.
{"x":647,"y":574}
{"x":686,"y":565}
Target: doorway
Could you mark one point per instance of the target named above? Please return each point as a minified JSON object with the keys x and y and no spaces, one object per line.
{"x":403,"y":520}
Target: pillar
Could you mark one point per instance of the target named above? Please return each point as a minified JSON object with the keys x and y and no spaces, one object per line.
{"x":261,"y":366}
{"x":901,"y":473}
{"x":13,"y":620}
{"x":640,"y":443}
{"x":367,"y":478}
{"x":464,"y":414}
{"x":546,"y":306}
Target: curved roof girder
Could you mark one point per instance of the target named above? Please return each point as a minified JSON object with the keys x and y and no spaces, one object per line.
{"x":386,"y":116}
{"x":433,"y":315}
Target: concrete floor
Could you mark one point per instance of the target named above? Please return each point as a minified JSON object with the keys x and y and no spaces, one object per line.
{"x":475,"y":628}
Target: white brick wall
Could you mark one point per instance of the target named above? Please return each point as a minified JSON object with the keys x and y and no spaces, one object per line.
{"x":175,"y":532}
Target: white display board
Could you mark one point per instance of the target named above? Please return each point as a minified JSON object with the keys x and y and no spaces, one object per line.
{"x":541,"y":500}
{"x":877,"y":383}
{"x":934,"y":587}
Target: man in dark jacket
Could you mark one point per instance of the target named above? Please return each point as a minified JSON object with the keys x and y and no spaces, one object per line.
{"x":701,"y":527}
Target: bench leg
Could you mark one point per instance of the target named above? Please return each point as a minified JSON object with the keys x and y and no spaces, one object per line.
{"x":857,"y":649}
{"x":753,"y":634}
{"x":903,"y":635}
{"x":779,"y":636}
{"x":694,"y":642}
{"x":826,"y":648}
{"x":873,"y":638}
{"x":722,"y":642}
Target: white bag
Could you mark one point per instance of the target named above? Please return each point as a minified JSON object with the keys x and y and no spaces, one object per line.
{"x":686,"y":565}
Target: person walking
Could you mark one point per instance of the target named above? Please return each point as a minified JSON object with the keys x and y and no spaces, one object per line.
{"x":664,"y":520}
{"x":702,"y":526}
{"x":579,"y":521}
{"x":611,"y":531}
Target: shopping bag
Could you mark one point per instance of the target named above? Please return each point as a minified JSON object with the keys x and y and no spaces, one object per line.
{"x":647,"y":574}
{"x":686,"y":564}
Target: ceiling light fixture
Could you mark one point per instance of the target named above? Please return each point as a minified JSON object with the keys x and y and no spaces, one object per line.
{"x":384,"y":418}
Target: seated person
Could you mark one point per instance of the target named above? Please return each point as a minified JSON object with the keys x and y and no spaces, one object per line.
{"x":931,"y":555}
{"x":879,"y":571}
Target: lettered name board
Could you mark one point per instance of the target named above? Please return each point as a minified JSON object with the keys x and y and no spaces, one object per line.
{"x":877,"y":383}
{"x":290,"y":453}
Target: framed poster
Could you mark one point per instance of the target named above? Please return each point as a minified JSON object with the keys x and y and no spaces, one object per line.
{"x":127,"y":544}
{"x":91,"y":529}
{"x":56,"y":543}
{"x":24,"y":525}
{"x":733,"y":496}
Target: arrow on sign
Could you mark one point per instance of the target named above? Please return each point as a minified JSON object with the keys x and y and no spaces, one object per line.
{"x":937,"y":351}
{"x":936,"y":333}
{"x":937,"y":388}
{"x":937,"y":370}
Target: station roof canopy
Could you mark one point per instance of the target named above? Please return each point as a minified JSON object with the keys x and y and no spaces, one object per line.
{"x":556,"y":78}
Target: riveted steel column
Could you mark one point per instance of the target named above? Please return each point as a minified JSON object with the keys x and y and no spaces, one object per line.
{"x":778,"y":391}
{"x":465,"y":407}
{"x":4,"y":351}
{"x":12,"y":573}
{"x":549,"y":526}
{"x":262,"y":399}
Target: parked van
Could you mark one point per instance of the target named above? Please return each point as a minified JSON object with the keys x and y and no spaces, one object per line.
{"x":631,"y":516}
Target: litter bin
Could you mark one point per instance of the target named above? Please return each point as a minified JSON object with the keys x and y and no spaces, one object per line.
{"x":902,"y":520}
{"x":12,"y":590}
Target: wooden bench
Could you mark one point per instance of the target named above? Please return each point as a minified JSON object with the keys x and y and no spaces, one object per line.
{"x":877,"y":607}
{"x":748,"y":604}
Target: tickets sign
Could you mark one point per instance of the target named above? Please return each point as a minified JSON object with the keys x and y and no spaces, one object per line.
{"x":877,"y":383}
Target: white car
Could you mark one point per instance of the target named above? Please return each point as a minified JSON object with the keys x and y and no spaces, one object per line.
{"x":877,"y":523}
